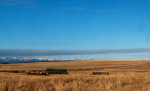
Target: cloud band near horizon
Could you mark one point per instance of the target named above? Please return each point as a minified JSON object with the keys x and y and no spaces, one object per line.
{"x":39,"y":52}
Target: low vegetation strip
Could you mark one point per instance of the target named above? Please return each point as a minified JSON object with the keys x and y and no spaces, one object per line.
{"x":54,"y":69}
{"x":100,"y":73}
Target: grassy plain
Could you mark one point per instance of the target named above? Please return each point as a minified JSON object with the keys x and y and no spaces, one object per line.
{"x":124,"y":76}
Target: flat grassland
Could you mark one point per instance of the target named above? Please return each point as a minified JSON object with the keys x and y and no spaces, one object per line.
{"x":128,"y":75}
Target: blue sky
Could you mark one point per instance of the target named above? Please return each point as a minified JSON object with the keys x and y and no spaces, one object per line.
{"x":75,"y":25}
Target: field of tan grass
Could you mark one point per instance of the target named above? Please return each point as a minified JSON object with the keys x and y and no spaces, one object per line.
{"x":124,"y":76}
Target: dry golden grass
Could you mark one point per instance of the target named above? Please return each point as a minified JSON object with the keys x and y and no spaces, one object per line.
{"x":67,"y":64}
{"x":135,"y":77}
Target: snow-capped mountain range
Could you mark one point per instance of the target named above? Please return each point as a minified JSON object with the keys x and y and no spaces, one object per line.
{"x":31,"y":59}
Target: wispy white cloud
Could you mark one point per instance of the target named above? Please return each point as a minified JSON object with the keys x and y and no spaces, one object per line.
{"x":72,"y":8}
{"x":16,"y":2}
{"x":105,"y":10}
{"x":54,"y":43}
{"x":85,"y":9}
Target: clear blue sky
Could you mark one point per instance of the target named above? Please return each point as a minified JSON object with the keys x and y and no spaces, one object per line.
{"x":74,"y":24}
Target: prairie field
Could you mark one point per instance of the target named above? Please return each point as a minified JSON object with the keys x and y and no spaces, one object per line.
{"x":128,"y":75}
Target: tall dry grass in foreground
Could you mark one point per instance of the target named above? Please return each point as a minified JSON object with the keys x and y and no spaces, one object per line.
{"x":130,"y":82}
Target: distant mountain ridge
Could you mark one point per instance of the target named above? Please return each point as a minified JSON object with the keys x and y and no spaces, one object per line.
{"x":5,"y":60}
